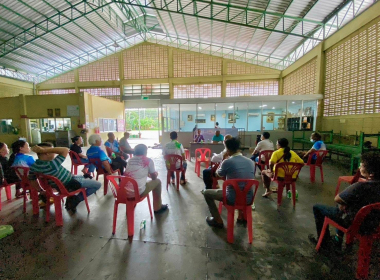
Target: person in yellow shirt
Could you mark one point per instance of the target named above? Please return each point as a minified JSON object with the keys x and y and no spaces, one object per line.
{"x":282,"y":154}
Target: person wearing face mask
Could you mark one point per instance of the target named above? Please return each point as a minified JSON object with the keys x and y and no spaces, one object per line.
{"x":264,"y":145}
{"x":319,"y":145}
{"x":7,"y":173}
{"x":350,"y":201}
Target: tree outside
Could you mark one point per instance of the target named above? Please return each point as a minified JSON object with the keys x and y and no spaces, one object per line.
{"x":148,"y":119}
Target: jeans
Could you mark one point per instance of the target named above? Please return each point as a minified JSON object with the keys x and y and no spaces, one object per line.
{"x":322,"y":211}
{"x":91,"y":186}
{"x":255,"y":157}
{"x":91,"y":167}
{"x":207,"y":178}
{"x":184,"y":166}
{"x":210,"y":197}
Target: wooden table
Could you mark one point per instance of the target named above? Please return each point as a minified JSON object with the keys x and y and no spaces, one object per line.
{"x":215,"y":148}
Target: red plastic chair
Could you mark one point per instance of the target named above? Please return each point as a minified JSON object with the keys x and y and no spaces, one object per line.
{"x":7,"y":188}
{"x":240,"y":204}
{"x":187,"y":155}
{"x":349,"y":179}
{"x":321,"y":155}
{"x":171,"y":166}
{"x":204,"y":156}
{"x":120,"y":193}
{"x":214,"y":167}
{"x":75,"y":162}
{"x":266,"y":155}
{"x":100,"y":171}
{"x":352,"y":233}
{"x":23,"y":172}
{"x":57,"y":195}
{"x":289,"y":168}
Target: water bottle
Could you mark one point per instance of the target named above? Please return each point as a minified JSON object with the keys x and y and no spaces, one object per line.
{"x":143,"y":224}
{"x":202,"y":141}
{"x":113,"y":155}
{"x":289,"y":195}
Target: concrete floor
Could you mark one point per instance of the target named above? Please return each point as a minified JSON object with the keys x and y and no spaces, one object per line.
{"x":177,"y":244}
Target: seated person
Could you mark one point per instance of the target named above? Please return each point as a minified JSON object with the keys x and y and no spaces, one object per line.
{"x":76,"y":147}
{"x":217,"y":137}
{"x":124,"y":145}
{"x":50,"y":161}
{"x":6,"y":172}
{"x":216,"y":158}
{"x":114,"y":146}
{"x":176,"y":148}
{"x":315,"y":138}
{"x":139,"y":168}
{"x":199,"y":137}
{"x":264,"y":145}
{"x":282,"y":154}
{"x":96,"y":152}
{"x":235,"y":167}
{"x":350,"y":201}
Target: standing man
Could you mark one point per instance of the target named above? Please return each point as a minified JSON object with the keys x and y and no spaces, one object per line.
{"x":264,"y":145}
{"x":176,"y":148}
{"x":217,"y":137}
{"x":124,"y":145}
{"x":235,"y":167}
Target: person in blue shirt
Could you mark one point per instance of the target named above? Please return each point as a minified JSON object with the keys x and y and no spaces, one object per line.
{"x":113,"y":144}
{"x":96,"y":152}
{"x":217,"y":137}
{"x":319,"y":145}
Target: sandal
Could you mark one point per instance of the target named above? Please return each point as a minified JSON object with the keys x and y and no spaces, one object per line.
{"x":267,"y":194}
{"x":163,"y":209}
{"x":212,"y":223}
{"x":183,"y":182}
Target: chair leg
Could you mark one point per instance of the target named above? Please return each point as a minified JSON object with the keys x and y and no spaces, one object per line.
{"x":75,"y":169}
{"x":230,"y":226}
{"x":294,"y":194}
{"x":47,"y":209}
{"x":58,"y":211}
{"x":312,"y":173}
{"x":131,"y":219}
{"x":325,"y":225}
{"x":280,"y":190}
{"x":167,"y":180}
{"x":150,"y":207}
{"x":220,"y":207}
{"x":177,"y":174}
{"x":34,"y":196}
{"x":248,"y":212}
{"x":321,"y":169}
{"x":8,"y":192}
{"x":85,"y":200}
{"x":114,"y":217}
{"x":0,"y":199}
{"x":105,"y":184}
{"x":25,"y":199}
{"x":364,"y":257}
{"x":337,"y":187}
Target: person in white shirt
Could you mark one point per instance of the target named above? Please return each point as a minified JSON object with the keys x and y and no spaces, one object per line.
{"x":138,"y":168}
{"x":264,"y":145}
{"x":176,"y":148}
{"x":217,"y":158}
{"x":217,"y":125}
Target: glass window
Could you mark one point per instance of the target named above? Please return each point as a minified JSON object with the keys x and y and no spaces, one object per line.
{"x":5,"y":126}
{"x":171,"y":117}
{"x":225,"y":115}
{"x":241,"y":111}
{"x":206,"y":115}
{"x":188,"y":116}
{"x":254,"y":116}
{"x":308,"y":114}
{"x":294,"y":115}
{"x":48,"y":125}
{"x":273,"y":115}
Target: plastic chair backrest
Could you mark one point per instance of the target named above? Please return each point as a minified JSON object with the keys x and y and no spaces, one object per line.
{"x":171,"y":162}
{"x":109,"y":151}
{"x":361,"y":215}
{"x":289,"y":168}
{"x":22,"y":172}
{"x":267,"y":154}
{"x":215,"y":167}
{"x":120,"y":190}
{"x":74,"y":156}
{"x":240,"y":195}
{"x":203,"y":153}
{"x":320,"y":157}
{"x":46,"y":183}
{"x":98,"y":164}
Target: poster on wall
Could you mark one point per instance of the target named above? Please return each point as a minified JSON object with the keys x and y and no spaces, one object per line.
{"x":189,"y":118}
{"x":57,"y":112}
{"x":50,"y":112}
{"x":120,"y":125}
{"x":270,"y":118}
{"x":72,"y":110}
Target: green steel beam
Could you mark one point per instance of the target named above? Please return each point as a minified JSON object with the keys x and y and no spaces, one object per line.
{"x":11,"y":73}
{"x":194,"y":6}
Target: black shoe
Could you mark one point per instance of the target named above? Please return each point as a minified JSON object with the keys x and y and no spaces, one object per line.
{"x":72,"y":203}
{"x":241,"y":222}
{"x":212,"y":223}
{"x":164,"y":207}
{"x":314,"y":240}
{"x":87,"y":176}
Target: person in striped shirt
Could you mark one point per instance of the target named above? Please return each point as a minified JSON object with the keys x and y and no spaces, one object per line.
{"x":50,"y":162}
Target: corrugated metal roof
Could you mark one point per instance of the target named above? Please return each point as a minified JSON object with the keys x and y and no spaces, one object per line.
{"x":47,"y":37}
